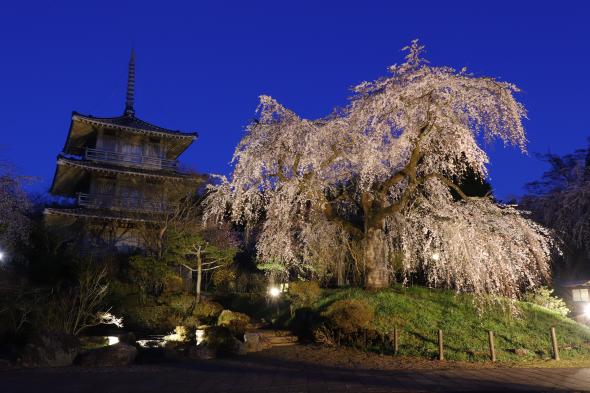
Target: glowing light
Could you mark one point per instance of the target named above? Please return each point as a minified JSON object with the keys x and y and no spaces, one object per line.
{"x":1,"y":256}
{"x":113,"y":340}
{"x":587,"y":309}
{"x":200,"y":335}
{"x":274,"y":291}
{"x":435,"y":257}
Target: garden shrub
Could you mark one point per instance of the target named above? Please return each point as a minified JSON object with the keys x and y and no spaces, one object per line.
{"x":182,"y":304}
{"x":236,"y":322}
{"x":348,"y":322}
{"x":207,"y":311}
{"x":304,"y":323}
{"x":251,"y":282}
{"x":173,"y":284}
{"x":224,"y":279}
{"x":349,"y":316}
{"x":155,"y":318}
{"x":162,"y":313}
{"x":148,"y":273}
{"x":543,"y":297}
{"x":304,"y":293}
{"x":189,"y":312}
{"x":119,"y":291}
{"x":256,"y":305}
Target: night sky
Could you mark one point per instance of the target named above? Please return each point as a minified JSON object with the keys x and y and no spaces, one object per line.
{"x":202,"y":65}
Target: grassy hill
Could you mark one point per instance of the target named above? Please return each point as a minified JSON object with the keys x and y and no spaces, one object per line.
{"x":419,"y":312}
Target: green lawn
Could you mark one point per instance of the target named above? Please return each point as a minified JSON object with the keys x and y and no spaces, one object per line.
{"x":419,"y":312}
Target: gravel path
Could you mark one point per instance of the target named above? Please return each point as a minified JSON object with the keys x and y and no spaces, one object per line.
{"x":270,"y":371}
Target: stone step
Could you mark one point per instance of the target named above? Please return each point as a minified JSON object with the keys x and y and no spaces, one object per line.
{"x":278,"y":338}
{"x":283,"y":343}
{"x":282,"y":339}
{"x":289,"y":344}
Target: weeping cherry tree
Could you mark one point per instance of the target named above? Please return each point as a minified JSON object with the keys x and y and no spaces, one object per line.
{"x":379,"y":182}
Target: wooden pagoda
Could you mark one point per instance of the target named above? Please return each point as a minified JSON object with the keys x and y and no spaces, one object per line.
{"x":118,"y":171}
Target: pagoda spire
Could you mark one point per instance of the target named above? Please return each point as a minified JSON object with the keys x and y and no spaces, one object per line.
{"x":130,"y":99}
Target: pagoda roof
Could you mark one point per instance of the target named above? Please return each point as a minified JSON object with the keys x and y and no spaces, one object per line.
{"x":576,"y":283}
{"x":129,"y":122}
{"x":71,"y":173}
{"x":84,"y":127}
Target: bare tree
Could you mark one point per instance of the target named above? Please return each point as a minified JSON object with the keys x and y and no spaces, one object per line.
{"x":180,"y":212}
{"x":561,"y":201}
{"x":14,"y":207}
{"x":79,"y":307}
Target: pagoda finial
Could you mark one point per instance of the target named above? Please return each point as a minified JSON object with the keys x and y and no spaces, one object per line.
{"x":130,"y":99}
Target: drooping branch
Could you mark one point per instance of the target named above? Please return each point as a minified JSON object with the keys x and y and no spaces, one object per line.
{"x":449,"y":183}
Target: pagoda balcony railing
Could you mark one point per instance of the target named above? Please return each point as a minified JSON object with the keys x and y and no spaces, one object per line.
{"x":123,"y":203}
{"x":130,"y":159}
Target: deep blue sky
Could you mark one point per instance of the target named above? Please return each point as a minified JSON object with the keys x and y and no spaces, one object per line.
{"x":202,"y":64}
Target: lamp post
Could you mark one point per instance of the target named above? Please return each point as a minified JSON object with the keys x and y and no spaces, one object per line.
{"x":274,"y":293}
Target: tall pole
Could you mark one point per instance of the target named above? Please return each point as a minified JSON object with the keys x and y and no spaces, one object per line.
{"x":441,"y":354}
{"x":492,"y":349}
{"x":554,"y":344}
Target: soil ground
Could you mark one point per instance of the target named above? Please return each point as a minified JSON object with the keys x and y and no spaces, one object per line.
{"x":351,"y":358}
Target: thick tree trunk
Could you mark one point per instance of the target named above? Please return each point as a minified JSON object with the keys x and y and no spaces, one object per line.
{"x":340,"y":272}
{"x":376,"y":272}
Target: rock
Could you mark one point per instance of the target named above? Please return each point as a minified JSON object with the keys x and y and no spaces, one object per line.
{"x":128,"y":338}
{"x":201,"y":352}
{"x":175,"y":350}
{"x":120,"y":354}
{"x":50,"y":349}
{"x":255,"y":342}
{"x":322,"y":336}
{"x":239,"y":347}
{"x":252,"y":338}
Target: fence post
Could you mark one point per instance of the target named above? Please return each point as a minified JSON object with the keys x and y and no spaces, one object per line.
{"x":492,"y":349}
{"x":395,"y":340}
{"x":441,"y":355}
{"x":554,"y":343}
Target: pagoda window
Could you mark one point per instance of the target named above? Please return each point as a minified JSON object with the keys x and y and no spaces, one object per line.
{"x":105,"y":186}
{"x":153,"y":148}
{"x":580,"y":295}
{"x":134,"y":150}
{"x":108,"y":142}
{"x":130,"y":197}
